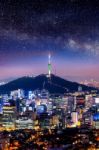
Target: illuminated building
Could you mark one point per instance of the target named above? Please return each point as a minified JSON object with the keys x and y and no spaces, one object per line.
{"x":17,"y":94}
{"x":37,"y":102}
{"x":30,"y":95}
{"x":28,"y":112}
{"x":41,"y":109}
{"x":14,"y":94}
{"x":74,"y":116}
{"x":44,"y":96}
{"x":92,"y":83}
{"x":49,"y":107}
{"x":9,"y":116}
{"x":75,"y":103}
{"x":97,"y":100}
{"x":18,"y":105}
{"x":96,"y":120}
{"x":54,"y":121}
{"x":24,"y":123}
{"x":1,"y":104}
{"x":80,"y":101}
{"x":70,"y":103}
{"x":96,"y":117}
{"x":5,"y":97}
{"x":79,"y":88}
{"x":4,"y":143}
{"x":1,"y":120}
{"x":20,"y":93}
{"x":87,"y":118}
{"x":89,"y":101}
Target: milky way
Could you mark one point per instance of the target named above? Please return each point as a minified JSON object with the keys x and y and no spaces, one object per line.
{"x":30,"y":29}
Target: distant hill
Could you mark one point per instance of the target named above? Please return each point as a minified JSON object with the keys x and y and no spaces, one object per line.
{"x":55,"y":85}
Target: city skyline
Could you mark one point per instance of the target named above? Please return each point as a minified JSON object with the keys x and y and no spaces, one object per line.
{"x":69,"y":30}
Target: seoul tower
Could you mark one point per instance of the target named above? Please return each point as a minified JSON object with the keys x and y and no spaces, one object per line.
{"x":49,"y":65}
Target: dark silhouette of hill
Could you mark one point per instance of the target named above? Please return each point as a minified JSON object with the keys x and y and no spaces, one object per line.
{"x":55,"y":85}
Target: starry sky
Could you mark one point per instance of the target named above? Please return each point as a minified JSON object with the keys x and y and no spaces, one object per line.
{"x":31,"y":29}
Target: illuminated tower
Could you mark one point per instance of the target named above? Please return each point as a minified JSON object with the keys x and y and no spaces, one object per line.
{"x":49,"y":65}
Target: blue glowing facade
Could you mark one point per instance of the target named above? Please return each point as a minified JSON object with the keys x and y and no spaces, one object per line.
{"x":96,"y":117}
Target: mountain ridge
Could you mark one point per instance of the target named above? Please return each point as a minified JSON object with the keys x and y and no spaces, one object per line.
{"x":54,"y":85}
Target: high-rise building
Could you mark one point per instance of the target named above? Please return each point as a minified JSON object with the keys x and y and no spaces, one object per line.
{"x":18,"y":105}
{"x":89,"y":101}
{"x":24,"y":122}
{"x":96,"y":120}
{"x":9,"y":116}
{"x":17,"y":94}
{"x":80,"y":101}
{"x":1,"y":104}
{"x":74,"y":117}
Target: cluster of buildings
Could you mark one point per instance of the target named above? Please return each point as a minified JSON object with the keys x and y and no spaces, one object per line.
{"x":39,"y":109}
{"x":92,"y":83}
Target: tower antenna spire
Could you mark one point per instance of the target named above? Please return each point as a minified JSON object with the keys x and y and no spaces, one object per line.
{"x":49,"y":65}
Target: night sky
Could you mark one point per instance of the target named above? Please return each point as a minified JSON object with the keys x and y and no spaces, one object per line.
{"x":68,"y":29}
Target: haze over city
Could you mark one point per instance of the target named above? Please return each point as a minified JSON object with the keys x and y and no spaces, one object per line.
{"x":69,"y":30}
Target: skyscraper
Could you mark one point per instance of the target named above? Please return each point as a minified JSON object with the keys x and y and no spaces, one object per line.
{"x":9,"y":116}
